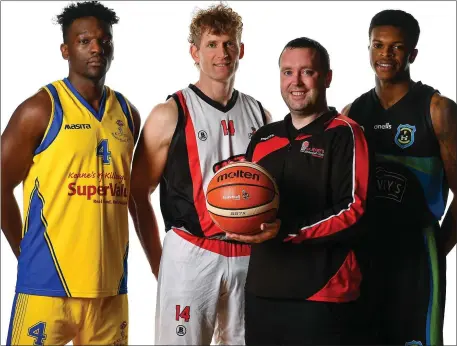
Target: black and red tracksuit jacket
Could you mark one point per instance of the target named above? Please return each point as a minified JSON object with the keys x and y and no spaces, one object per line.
{"x":322,"y":172}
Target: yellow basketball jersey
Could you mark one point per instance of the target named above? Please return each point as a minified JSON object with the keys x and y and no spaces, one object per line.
{"x":75,"y":235}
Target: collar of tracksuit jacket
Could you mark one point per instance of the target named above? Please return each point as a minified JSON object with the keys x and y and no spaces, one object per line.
{"x":315,"y":127}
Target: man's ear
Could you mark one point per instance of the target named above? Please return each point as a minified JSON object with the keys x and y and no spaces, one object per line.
{"x":328,"y":78}
{"x":413,"y":55}
{"x":64,"y":51}
{"x":193,"y":50}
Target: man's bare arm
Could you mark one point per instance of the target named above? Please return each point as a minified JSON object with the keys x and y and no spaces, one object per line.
{"x":268,"y":116}
{"x":148,"y":165}
{"x":444,"y":118}
{"x":346,"y":109}
{"x":20,"y":139}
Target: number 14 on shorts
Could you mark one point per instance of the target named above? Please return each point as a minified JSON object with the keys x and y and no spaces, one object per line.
{"x":184,"y":313}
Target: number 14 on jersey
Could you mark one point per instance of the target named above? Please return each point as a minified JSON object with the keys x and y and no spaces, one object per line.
{"x":228,"y":128}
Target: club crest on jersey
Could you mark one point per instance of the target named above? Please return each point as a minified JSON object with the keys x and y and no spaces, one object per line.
{"x":405,"y":135}
{"x":181,"y":330}
{"x":315,"y":152}
{"x":120,"y":134}
{"x":123,"y":338}
{"x":202,"y":135}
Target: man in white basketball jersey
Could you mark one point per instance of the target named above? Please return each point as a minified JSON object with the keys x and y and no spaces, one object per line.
{"x":184,"y":141}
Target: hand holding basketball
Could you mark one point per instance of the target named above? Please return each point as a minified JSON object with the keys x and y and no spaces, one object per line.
{"x":267,"y":231}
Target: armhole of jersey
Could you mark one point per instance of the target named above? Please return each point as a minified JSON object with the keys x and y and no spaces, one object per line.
{"x":357,"y":113}
{"x":126,"y":110}
{"x":264,"y":116}
{"x":179,"y":124}
{"x":428,"y":119}
{"x":55,"y":122}
{"x":351,"y":109}
{"x":131,"y":117}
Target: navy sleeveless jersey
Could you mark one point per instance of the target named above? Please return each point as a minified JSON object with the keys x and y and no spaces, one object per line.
{"x":411,"y":188}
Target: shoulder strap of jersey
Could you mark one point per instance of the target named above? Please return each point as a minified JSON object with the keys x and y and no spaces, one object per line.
{"x":426,"y":93}
{"x":264,"y":117}
{"x":181,"y":104}
{"x":55,"y":122}
{"x":126,"y":110}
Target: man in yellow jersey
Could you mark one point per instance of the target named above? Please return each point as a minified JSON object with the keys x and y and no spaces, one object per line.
{"x":71,"y":146}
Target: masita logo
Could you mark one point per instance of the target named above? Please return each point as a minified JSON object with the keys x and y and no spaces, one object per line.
{"x":77,"y":126}
{"x":239,"y":174}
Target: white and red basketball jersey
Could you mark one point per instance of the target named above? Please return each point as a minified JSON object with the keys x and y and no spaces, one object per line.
{"x":207,"y":136}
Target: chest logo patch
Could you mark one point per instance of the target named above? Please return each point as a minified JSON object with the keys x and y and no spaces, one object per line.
{"x":405,"y":135}
{"x":202,"y":135}
{"x":390,"y":185}
{"x":316,"y":152}
{"x":120,"y":134}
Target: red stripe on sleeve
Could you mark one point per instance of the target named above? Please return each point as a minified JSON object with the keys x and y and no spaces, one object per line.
{"x":349,"y":216}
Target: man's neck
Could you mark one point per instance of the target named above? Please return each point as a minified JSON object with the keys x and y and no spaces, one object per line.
{"x":219,"y":91}
{"x":300,"y":120}
{"x":91,"y":90}
{"x":390,"y":92}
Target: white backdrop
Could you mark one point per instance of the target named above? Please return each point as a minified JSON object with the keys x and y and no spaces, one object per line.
{"x":152,"y":61}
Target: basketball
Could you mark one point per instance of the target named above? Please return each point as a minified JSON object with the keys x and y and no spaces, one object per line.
{"x":241,"y":196}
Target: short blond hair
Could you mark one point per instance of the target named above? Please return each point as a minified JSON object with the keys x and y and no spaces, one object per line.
{"x":217,"y":19}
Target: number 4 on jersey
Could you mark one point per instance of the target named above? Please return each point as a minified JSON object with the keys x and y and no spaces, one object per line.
{"x":228,"y":129}
{"x":184,"y":314}
{"x":103,"y":151}
{"x":37,"y":332}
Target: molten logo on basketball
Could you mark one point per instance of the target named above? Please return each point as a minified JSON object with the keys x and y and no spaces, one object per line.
{"x":238,"y":174}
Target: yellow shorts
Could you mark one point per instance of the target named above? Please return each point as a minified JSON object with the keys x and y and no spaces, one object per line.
{"x":41,"y":320}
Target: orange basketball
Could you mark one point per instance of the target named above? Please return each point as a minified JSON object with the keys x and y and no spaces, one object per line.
{"x":241,"y":196}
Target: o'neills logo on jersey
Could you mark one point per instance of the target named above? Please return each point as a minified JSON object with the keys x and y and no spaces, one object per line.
{"x":112,"y":190}
{"x":239,"y":174}
{"x":77,"y":126}
{"x":385,"y":126}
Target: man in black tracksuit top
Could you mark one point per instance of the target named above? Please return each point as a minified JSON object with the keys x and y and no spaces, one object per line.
{"x":413,"y":130}
{"x":303,"y":280}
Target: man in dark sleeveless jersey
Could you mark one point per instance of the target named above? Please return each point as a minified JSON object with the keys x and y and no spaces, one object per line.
{"x":412,"y":130}
{"x":184,"y":141}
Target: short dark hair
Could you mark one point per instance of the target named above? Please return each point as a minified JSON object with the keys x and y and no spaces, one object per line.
{"x":399,"y":19}
{"x":85,"y":9}
{"x":305,"y":42}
